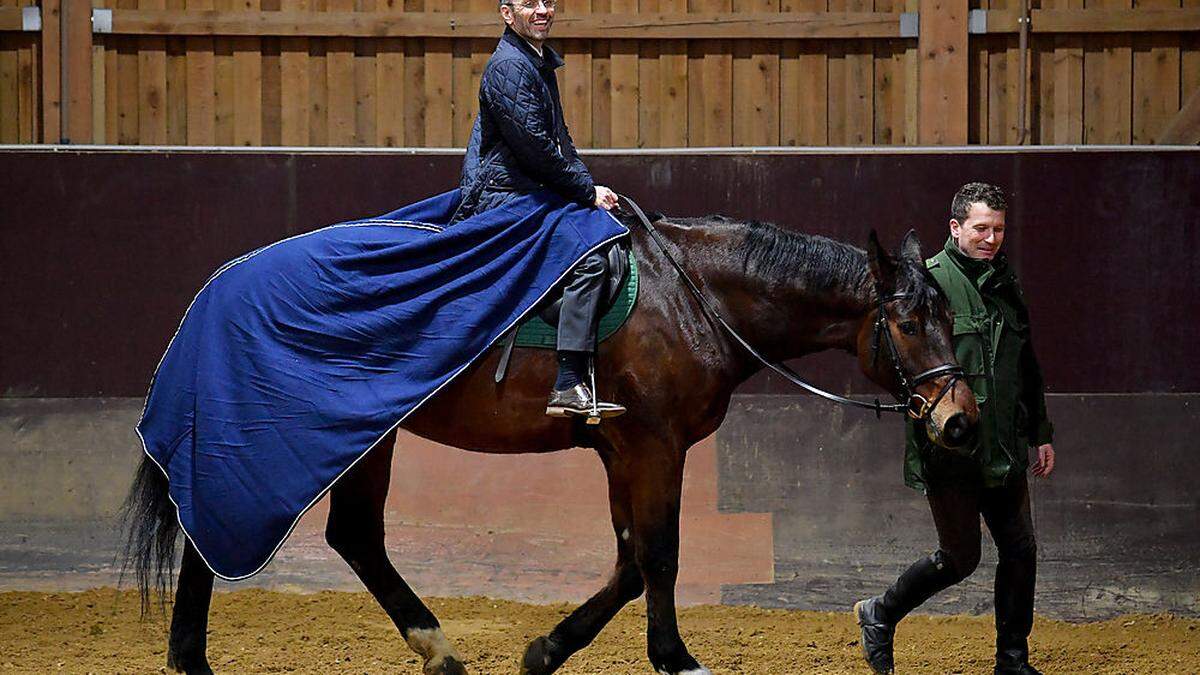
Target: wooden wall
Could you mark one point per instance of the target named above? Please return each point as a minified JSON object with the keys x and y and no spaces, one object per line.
{"x":353,"y":73}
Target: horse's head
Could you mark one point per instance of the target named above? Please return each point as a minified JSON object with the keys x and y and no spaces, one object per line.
{"x":905,"y":346}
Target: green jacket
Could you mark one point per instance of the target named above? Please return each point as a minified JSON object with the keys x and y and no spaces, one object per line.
{"x":991,"y":342}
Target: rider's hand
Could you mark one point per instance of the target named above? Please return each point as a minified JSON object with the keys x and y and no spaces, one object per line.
{"x":1045,"y":461}
{"x":605,"y":199}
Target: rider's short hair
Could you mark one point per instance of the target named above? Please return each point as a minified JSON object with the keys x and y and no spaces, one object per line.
{"x":973,"y":193}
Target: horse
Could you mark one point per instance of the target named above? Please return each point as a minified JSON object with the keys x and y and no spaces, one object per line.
{"x":675,"y":368}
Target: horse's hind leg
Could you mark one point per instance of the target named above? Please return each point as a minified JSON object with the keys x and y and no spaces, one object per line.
{"x":188,"y":643}
{"x":355,"y":531}
{"x":546,"y":654}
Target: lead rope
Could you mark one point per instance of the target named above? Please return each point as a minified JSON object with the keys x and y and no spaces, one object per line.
{"x":715,"y":316}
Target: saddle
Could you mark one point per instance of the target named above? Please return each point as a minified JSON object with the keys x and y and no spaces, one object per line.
{"x":541,"y":330}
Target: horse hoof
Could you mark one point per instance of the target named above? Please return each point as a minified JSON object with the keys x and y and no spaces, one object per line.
{"x":539,"y":659}
{"x":447,"y":666}
{"x":694,"y":671}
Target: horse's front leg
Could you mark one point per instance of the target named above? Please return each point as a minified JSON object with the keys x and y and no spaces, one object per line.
{"x":657,"y":482}
{"x":545,"y":654}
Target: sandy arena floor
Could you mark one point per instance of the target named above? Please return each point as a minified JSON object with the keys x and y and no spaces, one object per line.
{"x":257,"y":631}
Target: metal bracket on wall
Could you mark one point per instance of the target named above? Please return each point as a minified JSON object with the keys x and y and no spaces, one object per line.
{"x":910,"y":25}
{"x":977,"y":22}
{"x":102,"y":21}
{"x":31,"y":19}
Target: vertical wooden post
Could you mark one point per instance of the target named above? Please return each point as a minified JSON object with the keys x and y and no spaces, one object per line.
{"x":51,"y":72}
{"x":77,"y":68}
{"x":942,"y":46}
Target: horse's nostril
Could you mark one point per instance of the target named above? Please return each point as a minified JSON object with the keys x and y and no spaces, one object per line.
{"x":958,"y":430}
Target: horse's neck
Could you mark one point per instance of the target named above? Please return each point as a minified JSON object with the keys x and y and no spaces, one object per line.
{"x":782,"y":316}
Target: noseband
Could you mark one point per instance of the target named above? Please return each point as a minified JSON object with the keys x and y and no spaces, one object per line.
{"x":916,"y":406}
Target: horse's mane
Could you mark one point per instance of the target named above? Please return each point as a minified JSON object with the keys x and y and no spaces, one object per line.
{"x":772,"y":252}
{"x":825,"y":264}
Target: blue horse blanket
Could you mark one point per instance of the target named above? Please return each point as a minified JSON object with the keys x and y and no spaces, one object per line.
{"x":295,"y":359}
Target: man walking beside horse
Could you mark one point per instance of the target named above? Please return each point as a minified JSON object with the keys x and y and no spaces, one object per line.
{"x":992,"y":343}
{"x":520,"y":144}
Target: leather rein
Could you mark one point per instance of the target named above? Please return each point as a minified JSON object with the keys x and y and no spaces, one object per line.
{"x":915,"y":405}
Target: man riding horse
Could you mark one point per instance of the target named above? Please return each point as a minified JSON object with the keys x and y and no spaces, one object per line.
{"x":520,"y":144}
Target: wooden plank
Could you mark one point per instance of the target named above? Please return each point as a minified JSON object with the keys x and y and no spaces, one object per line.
{"x":339,"y":82}
{"x":128,"y":91}
{"x":804,"y":85}
{"x":389,"y":113}
{"x":851,"y":84}
{"x":247,"y":86}
{"x":1004,"y":76}
{"x":672,"y":109}
{"x":890,"y":102}
{"x":460,"y":85}
{"x":650,"y":92}
{"x":943,"y":72}
{"x":272,"y":92}
{"x":51,"y":90}
{"x":78,"y":65}
{"x":978,"y":51}
{"x":717,"y":83}
{"x":224,"y":87}
{"x":414,"y":85}
{"x":176,"y":91}
{"x":200,"y":84}
{"x":1189,"y":58}
{"x":99,"y":83}
{"x":601,"y":82}
{"x":10,"y":104}
{"x":1068,"y":84}
{"x":575,"y":81}
{"x":623,"y":62}
{"x":439,"y":84}
{"x":318,"y":91}
{"x":365,"y":83}
{"x":1155,"y":78}
{"x":1099,"y":18}
{"x":152,"y":84}
{"x":293,"y":83}
{"x":756,"y":84}
{"x":446,"y":24}
{"x":112,"y":97}
{"x":1107,"y":72}
{"x":26,"y":110}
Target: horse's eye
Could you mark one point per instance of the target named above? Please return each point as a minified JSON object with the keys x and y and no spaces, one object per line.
{"x":908,"y":327}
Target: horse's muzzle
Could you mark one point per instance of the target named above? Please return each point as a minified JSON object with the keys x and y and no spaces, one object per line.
{"x":958,"y":432}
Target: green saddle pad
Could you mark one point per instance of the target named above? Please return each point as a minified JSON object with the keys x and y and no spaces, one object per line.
{"x":537,"y":333}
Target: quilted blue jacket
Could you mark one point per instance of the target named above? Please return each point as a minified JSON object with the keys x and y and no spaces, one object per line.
{"x":520,"y":143}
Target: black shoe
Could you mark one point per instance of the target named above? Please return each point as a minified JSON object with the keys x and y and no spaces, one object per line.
{"x":877,"y":636}
{"x":1022,"y":668}
{"x":578,"y":401}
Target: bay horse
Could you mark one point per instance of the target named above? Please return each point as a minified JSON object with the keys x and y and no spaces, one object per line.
{"x":675,"y":369}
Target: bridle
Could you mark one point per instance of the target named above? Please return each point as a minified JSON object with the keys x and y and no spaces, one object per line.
{"x":915,"y":405}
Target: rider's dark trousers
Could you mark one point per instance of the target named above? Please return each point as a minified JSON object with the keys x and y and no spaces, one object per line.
{"x":956,"y":510}
{"x":581,"y":301}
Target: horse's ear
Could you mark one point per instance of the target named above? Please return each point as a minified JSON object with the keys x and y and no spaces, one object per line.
{"x":883,"y":266}
{"x":910,"y":248}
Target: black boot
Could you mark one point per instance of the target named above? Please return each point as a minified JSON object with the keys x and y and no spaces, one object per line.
{"x":1015,"y":579}
{"x":879,"y":615}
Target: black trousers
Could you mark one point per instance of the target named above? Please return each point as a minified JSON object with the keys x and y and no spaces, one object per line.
{"x":578,"y":318}
{"x":956,"y":512}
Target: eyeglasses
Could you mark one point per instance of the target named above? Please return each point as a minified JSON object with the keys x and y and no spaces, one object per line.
{"x":533,"y":4}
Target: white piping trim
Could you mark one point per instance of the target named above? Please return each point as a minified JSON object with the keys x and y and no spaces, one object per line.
{"x":370,"y":447}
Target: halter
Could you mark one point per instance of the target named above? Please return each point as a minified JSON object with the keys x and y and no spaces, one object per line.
{"x":916,"y":406}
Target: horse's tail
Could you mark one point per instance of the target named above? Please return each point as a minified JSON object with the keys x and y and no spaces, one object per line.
{"x":150,"y":520}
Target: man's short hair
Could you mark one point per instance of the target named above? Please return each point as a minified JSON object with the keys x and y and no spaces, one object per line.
{"x":972,"y":193}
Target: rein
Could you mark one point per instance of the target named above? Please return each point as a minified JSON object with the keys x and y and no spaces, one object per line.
{"x":919,"y":413}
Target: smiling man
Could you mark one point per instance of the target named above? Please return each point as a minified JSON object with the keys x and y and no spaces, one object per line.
{"x":992,"y":343}
{"x":520,"y":145}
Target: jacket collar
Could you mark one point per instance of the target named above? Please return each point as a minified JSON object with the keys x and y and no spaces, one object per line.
{"x":549,"y":58}
{"x":978,"y":271}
